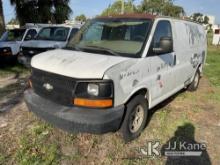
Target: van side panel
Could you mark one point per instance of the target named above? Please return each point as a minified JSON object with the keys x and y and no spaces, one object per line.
{"x":190,"y":48}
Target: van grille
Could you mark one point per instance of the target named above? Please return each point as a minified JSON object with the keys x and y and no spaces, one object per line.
{"x":63,"y":87}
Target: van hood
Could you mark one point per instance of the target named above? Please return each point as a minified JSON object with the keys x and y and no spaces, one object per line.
{"x":43,"y":44}
{"x":75,"y":64}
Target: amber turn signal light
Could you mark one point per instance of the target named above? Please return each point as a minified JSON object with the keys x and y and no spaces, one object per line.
{"x":105,"y":103}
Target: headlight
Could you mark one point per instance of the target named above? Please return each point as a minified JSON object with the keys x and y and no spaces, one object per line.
{"x":94,"y":94}
{"x":93,"y":89}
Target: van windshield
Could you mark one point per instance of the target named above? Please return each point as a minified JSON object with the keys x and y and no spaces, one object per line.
{"x":13,"y":35}
{"x":123,"y":37}
{"x":53,"y":34}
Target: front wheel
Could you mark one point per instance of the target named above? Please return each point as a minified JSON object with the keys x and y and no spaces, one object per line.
{"x":135,"y":118}
{"x":195,"y":84}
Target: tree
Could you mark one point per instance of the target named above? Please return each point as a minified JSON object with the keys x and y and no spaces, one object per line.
{"x":200,"y":18}
{"x":62,"y":10}
{"x":116,"y":8}
{"x":2,"y":20}
{"x":41,"y":11}
{"x":13,"y":21}
{"x":81,"y":18}
{"x":161,"y":7}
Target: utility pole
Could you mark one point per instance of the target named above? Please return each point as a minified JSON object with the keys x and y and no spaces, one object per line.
{"x":122,"y":6}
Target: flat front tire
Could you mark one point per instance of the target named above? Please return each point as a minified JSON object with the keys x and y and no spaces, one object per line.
{"x":135,"y":118}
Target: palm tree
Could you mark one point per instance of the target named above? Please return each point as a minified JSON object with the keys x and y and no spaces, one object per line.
{"x":41,"y":11}
{"x":2,"y":20}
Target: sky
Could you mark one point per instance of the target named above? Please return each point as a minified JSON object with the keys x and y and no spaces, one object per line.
{"x":92,"y":8}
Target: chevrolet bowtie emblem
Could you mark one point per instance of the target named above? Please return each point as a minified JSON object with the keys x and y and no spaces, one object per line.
{"x":48,"y":87}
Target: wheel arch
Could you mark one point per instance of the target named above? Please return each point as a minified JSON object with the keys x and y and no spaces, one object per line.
{"x":141,"y":91}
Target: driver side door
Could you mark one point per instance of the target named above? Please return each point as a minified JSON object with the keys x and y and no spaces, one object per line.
{"x":162,"y":64}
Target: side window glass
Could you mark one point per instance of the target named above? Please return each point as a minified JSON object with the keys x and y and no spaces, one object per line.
{"x":94,"y":33}
{"x":30,"y":34}
{"x":163,"y":30}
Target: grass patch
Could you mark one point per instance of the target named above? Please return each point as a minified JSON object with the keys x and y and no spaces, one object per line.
{"x":16,"y":70}
{"x":212,"y":69}
{"x":36,"y":148}
{"x":2,"y":159}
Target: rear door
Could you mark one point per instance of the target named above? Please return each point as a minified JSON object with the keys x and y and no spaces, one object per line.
{"x":161,"y":64}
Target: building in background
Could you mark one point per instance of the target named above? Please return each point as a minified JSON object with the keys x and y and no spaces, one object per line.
{"x":211,"y":19}
{"x":216,"y":37}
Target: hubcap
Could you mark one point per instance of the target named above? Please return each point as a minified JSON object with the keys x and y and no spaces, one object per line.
{"x":136,"y":119}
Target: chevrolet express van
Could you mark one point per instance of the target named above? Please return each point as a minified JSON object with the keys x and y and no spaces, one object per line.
{"x":114,"y":71}
{"x":11,"y":41}
{"x":49,"y":38}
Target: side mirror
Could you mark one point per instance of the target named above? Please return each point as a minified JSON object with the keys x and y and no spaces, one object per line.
{"x":29,"y":37}
{"x":166,"y":46}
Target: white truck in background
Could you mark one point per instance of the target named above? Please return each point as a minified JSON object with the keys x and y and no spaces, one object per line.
{"x":12,"y":40}
{"x":49,"y":38}
{"x":114,"y":71}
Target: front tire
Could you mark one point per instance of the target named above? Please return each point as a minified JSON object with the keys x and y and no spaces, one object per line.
{"x":135,"y":118}
{"x":195,"y":84}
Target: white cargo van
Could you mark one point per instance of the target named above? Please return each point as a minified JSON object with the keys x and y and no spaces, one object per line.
{"x":114,"y":71}
{"x":11,"y":41}
{"x":49,"y":38}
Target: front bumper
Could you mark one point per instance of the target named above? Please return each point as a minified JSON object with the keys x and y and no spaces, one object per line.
{"x":75,"y":119}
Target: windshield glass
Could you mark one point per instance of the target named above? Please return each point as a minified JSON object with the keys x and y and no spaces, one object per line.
{"x":123,"y":37}
{"x":14,"y":35}
{"x":53,"y":34}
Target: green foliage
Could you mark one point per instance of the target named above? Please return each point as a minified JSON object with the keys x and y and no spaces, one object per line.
{"x":161,"y":7}
{"x":212,"y":68}
{"x":35,"y":147}
{"x":81,"y":18}
{"x":13,"y":21}
{"x":200,"y":18}
{"x":116,"y":8}
{"x":41,"y":11}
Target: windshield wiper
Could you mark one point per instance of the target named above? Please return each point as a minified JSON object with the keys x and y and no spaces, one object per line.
{"x":102,"y":49}
{"x":73,"y":48}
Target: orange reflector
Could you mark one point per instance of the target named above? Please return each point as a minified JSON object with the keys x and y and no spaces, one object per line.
{"x":93,"y":103}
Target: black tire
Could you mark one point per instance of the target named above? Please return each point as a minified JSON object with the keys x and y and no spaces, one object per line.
{"x":126,"y":130}
{"x":195,"y":84}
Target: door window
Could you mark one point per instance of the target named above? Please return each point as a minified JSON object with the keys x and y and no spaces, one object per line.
{"x":163,"y":29}
{"x":30,"y":34}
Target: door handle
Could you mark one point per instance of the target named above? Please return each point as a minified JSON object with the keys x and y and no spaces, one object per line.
{"x":159,"y":77}
{"x":174,"y":60}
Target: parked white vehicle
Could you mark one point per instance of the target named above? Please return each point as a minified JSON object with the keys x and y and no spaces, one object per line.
{"x":49,"y":38}
{"x":216,"y":37}
{"x":114,"y":71}
{"x":11,"y":41}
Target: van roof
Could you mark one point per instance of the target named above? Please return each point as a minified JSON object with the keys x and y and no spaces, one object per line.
{"x":134,"y":15}
{"x":143,"y":16}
